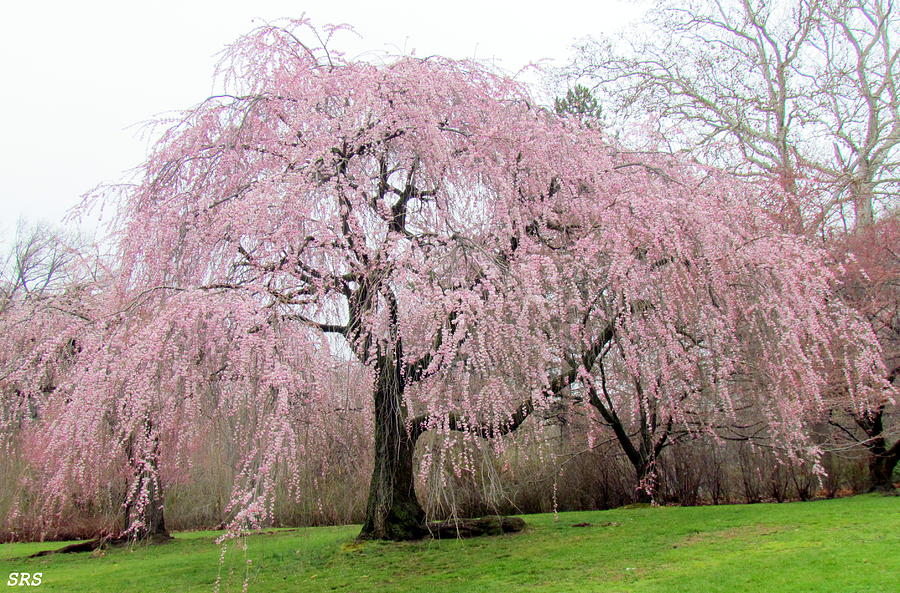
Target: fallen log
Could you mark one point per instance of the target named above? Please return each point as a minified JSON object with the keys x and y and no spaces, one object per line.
{"x":461,"y":528}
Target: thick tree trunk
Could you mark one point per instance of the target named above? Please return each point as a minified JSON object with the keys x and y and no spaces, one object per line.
{"x":393,"y":511}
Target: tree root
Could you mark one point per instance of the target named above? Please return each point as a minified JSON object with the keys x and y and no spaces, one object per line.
{"x":103,"y":543}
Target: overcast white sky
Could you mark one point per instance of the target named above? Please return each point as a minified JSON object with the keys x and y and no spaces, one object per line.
{"x":77,"y":76}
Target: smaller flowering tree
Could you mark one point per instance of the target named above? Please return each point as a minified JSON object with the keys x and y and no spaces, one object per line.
{"x":126,"y":421}
{"x":870,"y":275}
{"x":41,"y":339}
{"x":683,"y":319}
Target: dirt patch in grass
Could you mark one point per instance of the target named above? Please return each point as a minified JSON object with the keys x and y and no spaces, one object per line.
{"x":744,"y":531}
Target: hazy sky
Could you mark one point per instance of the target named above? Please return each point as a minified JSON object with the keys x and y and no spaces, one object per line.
{"x":79,"y":77}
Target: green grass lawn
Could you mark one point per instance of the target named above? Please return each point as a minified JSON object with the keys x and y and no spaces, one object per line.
{"x":848,"y":545}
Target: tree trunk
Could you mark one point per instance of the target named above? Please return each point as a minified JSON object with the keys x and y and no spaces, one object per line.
{"x":863,"y":200}
{"x":393,"y":511}
{"x":647,"y":481}
{"x":882,"y":459}
{"x":881,"y":468}
{"x":643,"y":457}
{"x":149,"y":522}
{"x":146,"y":522}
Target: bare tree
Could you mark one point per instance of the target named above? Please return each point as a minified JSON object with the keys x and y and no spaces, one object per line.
{"x":860,"y":114}
{"x":42,"y":260}
{"x":802,"y":92}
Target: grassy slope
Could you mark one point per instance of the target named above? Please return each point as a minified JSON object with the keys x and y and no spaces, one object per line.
{"x":840,"y":546}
